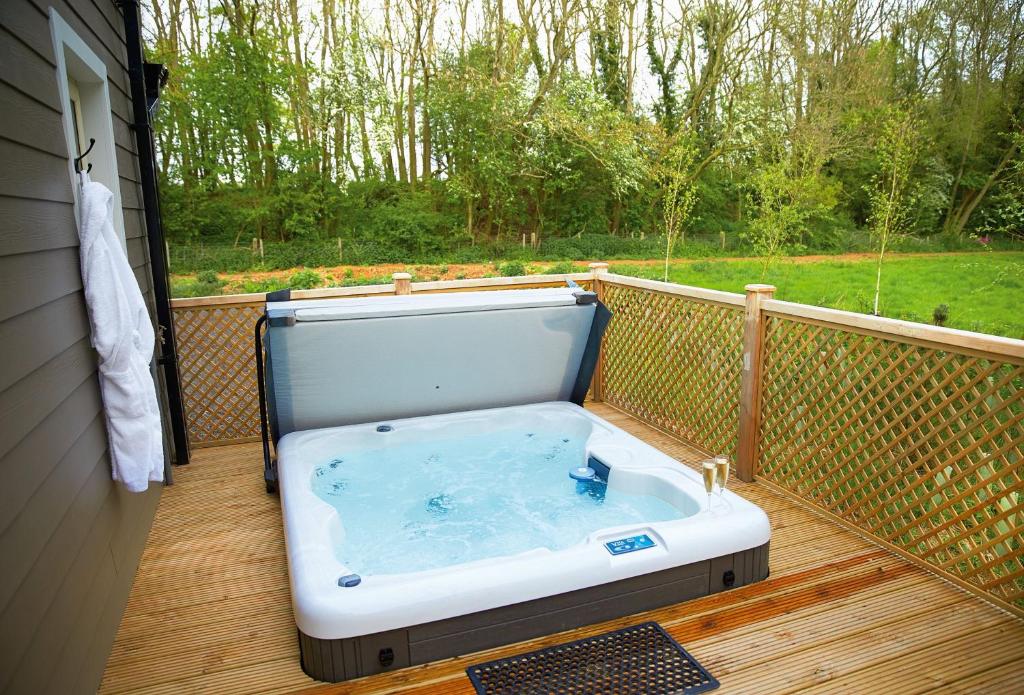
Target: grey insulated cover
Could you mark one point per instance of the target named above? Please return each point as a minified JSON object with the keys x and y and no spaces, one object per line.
{"x":346,"y":361}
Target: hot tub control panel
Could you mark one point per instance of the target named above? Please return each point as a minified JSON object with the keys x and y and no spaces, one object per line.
{"x":621,"y":546}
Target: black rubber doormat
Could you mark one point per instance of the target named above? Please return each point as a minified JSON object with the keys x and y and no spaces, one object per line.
{"x":638,"y":659}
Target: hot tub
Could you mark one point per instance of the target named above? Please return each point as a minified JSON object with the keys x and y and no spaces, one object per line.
{"x":448,"y":534}
{"x":443,"y":491}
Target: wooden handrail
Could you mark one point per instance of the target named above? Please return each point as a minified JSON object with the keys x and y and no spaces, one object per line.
{"x":688,"y":291}
{"x":908,"y":331}
{"x":260,"y":297}
{"x":389,"y":288}
{"x":505,"y":282}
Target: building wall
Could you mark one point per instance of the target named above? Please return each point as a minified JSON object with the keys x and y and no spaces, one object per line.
{"x":70,"y":539}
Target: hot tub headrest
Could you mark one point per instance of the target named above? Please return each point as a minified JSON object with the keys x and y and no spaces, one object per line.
{"x":344,"y":361}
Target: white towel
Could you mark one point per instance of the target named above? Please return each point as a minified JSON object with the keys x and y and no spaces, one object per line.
{"x":123,"y":336}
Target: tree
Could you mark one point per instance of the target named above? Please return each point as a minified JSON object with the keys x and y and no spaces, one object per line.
{"x":500,"y":119}
{"x":786,"y":202}
{"x":894,"y":189}
{"x":664,"y":51}
{"x":680,"y":190}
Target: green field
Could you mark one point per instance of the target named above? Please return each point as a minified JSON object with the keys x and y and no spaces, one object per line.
{"x":984,"y":291}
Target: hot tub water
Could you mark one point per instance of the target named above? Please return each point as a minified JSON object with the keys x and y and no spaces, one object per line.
{"x":421,"y":506}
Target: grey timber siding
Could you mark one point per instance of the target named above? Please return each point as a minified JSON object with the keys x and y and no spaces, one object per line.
{"x":70,"y":539}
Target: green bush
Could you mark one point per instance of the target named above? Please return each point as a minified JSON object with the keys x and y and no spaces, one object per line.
{"x":511,"y":269}
{"x":262,"y":286}
{"x":183,"y":287}
{"x":206,"y":284}
{"x":188,"y":287}
{"x":305,"y":280}
{"x":561,"y":268}
{"x":358,"y":282}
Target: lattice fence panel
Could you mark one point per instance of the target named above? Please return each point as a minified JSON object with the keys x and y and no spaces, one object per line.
{"x":218,"y":372}
{"x":675,"y":362}
{"x":919,"y":446}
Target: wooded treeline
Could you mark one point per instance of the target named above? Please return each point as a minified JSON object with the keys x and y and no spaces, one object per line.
{"x":427,"y":124}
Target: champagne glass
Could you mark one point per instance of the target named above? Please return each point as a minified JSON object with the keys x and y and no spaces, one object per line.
{"x":722,"y":472}
{"x":708,"y":469}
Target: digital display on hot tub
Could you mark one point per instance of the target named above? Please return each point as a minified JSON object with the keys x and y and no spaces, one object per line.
{"x":628,"y":545}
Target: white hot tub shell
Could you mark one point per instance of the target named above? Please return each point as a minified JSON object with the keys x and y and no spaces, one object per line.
{"x":380,"y":622}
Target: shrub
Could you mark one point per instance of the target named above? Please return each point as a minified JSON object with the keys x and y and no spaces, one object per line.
{"x":561,"y":268}
{"x":208,"y":277}
{"x":206,"y":284}
{"x":183,"y":287}
{"x":262,"y":286}
{"x":305,"y":280}
{"x":512,"y":268}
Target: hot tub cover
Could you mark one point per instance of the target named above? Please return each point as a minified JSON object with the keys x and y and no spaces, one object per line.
{"x":346,"y":361}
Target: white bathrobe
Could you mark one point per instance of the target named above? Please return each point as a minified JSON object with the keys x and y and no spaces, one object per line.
{"x":123,"y":336}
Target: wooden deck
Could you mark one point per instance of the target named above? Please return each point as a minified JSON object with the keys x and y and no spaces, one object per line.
{"x":210,"y":609}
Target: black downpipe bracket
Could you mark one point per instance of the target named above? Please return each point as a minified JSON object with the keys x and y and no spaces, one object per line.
{"x":168,"y":358}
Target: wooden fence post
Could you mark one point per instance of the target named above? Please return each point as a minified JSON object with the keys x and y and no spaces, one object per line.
{"x":597,"y":271}
{"x":402,"y":283}
{"x":750,"y":381}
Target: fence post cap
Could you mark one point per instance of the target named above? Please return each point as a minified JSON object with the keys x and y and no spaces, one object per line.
{"x":401,"y":276}
{"x":760,"y":289}
{"x":599,"y":267}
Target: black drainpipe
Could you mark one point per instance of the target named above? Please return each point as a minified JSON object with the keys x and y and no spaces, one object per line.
{"x":168,"y":357}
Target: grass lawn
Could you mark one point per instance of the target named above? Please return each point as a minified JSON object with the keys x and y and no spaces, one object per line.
{"x":984,"y":291}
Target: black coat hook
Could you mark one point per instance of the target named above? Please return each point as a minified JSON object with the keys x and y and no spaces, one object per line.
{"x":79,"y":158}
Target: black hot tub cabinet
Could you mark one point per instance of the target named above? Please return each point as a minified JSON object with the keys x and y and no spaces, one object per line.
{"x":341,"y":659}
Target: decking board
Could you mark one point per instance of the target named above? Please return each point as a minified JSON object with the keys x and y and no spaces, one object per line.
{"x":210,"y":609}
